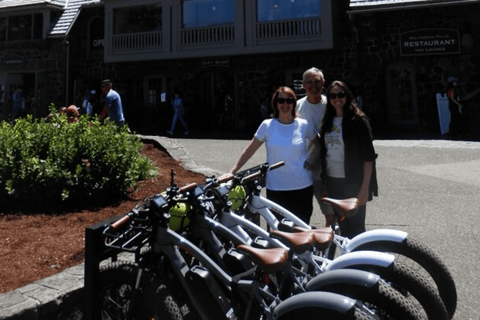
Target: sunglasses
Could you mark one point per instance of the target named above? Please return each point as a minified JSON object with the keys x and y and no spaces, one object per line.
{"x":340,"y":95}
{"x":283,"y":100}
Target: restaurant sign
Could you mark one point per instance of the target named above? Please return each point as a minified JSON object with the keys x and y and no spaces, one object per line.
{"x":430,"y":42}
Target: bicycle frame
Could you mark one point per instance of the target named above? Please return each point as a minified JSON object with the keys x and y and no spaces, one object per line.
{"x":258,"y":204}
{"x":321,"y":264}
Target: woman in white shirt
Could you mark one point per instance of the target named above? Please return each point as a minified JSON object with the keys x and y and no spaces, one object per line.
{"x":285,"y":138}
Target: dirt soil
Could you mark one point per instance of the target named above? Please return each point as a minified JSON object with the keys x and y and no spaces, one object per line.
{"x":37,"y":246}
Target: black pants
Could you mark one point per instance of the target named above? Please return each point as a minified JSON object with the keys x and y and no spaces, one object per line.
{"x":351,"y":226}
{"x":298,"y":202}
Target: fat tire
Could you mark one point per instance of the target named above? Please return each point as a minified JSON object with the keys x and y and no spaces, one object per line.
{"x":387,"y":302}
{"x":315,"y":313}
{"x":428,"y":260}
{"x":117,"y":282}
{"x":411,"y":284}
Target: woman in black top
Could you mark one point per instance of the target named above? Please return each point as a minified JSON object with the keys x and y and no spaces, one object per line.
{"x":348,"y":156}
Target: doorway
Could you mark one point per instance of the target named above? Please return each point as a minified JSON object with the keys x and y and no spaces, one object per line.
{"x":401,"y":89}
{"x":217,"y":96}
{"x":31,"y":93}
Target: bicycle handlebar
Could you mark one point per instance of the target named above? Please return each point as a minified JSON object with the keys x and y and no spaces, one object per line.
{"x":125,"y":219}
{"x":225,"y":178}
{"x":121,"y":222}
{"x":188,"y":187}
{"x":262,"y":171}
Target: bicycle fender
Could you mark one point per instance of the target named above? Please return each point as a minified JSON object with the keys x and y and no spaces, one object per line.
{"x":361,"y":258}
{"x":327,"y":300}
{"x":392,"y":235}
{"x":343,"y":276}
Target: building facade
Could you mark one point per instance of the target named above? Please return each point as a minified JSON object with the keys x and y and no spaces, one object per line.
{"x":227,"y":56}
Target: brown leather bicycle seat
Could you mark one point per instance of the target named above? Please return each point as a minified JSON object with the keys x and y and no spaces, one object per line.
{"x":270,"y":260}
{"x":299,"y":242}
{"x":348,"y":207}
{"x":323,"y":237}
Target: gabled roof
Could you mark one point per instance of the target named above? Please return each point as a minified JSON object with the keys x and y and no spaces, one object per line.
{"x":71,"y":10}
{"x":364,"y":6}
{"x":15,"y":4}
{"x":68,"y":17}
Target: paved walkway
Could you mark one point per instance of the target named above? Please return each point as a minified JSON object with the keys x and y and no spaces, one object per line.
{"x":60,"y":296}
{"x":452,"y":144}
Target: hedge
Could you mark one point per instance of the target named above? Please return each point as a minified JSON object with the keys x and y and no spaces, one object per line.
{"x":52,"y":162}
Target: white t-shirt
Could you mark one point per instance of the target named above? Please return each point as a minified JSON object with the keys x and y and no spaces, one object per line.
{"x":313,"y":113}
{"x":335,"y":157}
{"x":288,"y":143}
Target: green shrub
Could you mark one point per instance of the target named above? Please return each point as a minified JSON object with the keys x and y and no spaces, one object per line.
{"x":54,"y":162}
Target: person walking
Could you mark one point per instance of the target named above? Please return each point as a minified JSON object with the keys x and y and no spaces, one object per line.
{"x":113,"y":104}
{"x":177,"y":106}
{"x":347,"y":155}
{"x":312,"y":108}
{"x":285,"y":137}
{"x":18,"y":103}
{"x":458,"y":121}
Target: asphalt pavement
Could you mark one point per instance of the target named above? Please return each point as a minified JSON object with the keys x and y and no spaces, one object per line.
{"x":428,"y":188}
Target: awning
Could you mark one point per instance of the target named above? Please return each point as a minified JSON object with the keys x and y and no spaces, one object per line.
{"x":368,"y":6}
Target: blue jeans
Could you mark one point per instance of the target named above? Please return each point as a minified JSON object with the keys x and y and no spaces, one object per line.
{"x":337,"y":189}
{"x":178,"y":116}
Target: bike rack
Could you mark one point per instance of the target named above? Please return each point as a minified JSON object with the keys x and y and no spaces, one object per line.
{"x":95,"y":253}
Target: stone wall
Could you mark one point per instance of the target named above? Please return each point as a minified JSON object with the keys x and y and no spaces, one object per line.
{"x":379,"y":43}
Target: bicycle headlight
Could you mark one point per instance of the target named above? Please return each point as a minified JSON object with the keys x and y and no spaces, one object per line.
{"x":179,"y":216}
{"x":237,"y":197}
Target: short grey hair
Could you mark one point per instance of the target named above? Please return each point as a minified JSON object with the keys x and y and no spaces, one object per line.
{"x":313,"y":70}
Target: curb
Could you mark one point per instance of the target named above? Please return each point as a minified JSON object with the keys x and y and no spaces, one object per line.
{"x":61,"y":296}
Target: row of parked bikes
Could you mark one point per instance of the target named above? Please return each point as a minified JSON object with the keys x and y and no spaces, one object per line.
{"x":220,"y":250}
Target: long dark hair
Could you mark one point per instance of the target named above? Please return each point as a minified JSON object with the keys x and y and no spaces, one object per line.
{"x":350,"y":108}
{"x":290,"y":93}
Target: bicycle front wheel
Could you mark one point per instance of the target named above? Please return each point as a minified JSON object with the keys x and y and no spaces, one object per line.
{"x":414,"y":286}
{"x":324,"y":314}
{"x":423,"y":260}
{"x":319,"y":304}
{"x":120,"y":300}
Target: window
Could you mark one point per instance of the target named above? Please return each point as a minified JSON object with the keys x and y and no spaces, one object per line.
{"x":20,"y":28}
{"x":96,"y":37}
{"x":25,"y":27}
{"x":3,"y":29}
{"x":204,"y":13}
{"x":37,"y":26}
{"x":138,"y":19}
{"x":270,"y":10}
{"x":154,"y":92}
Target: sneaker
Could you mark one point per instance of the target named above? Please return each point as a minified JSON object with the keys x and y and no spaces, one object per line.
{"x":170,"y":132}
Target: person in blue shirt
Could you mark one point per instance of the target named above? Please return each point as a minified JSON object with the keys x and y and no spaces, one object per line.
{"x":177,"y":106}
{"x":17,"y":103}
{"x":113,"y":104}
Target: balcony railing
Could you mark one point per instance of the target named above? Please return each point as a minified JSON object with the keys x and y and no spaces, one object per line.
{"x":264,"y":37}
{"x":134,"y":41}
{"x":271,"y":30}
{"x":213,"y":35}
